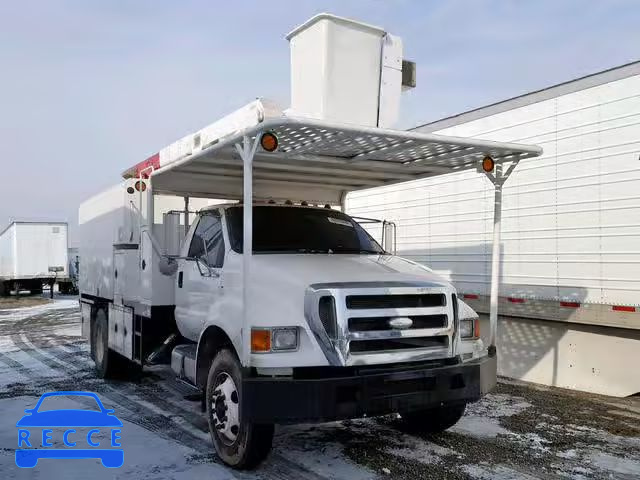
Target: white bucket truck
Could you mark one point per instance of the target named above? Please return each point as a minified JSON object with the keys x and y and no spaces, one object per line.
{"x":275,"y":306}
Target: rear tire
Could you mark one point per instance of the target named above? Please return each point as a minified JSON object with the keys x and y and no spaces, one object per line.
{"x":239,"y":444}
{"x":433,"y":420}
{"x":105,"y":359}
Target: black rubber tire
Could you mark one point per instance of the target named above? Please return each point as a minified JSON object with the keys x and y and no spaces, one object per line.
{"x":105,"y":359}
{"x":253,"y":442}
{"x":434,"y":420}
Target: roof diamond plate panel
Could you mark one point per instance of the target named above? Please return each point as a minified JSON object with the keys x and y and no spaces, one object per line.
{"x":322,"y":161}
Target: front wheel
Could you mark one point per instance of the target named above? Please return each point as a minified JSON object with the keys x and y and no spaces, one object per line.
{"x":434,"y":420}
{"x":240,"y":444}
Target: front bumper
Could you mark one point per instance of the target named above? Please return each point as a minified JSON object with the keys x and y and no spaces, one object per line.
{"x":369,"y":392}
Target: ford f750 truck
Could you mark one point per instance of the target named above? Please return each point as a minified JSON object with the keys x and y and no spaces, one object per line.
{"x":275,"y":305}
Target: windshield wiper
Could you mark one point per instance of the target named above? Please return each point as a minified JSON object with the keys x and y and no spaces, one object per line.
{"x":315,"y":250}
{"x":362,"y":251}
{"x":294,"y":250}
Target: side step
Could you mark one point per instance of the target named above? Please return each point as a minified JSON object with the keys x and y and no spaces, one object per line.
{"x":183,"y":362}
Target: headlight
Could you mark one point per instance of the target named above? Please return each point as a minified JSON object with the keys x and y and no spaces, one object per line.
{"x":277,"y":339}
{"x":468,"y":323}
{"x":284,"y":339}
{"x":469,"y":328}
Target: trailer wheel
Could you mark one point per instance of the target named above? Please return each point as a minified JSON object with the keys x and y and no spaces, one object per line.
{"x":239,"y":444}
{"x":434,"y":420}
{"x":104,"y":358}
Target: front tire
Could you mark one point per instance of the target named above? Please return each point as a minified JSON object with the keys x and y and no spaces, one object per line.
{"x":434,"y":420}
{"x":240,"y":444}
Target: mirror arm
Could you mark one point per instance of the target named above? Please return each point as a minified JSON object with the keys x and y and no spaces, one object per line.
{"x":198,"y":260}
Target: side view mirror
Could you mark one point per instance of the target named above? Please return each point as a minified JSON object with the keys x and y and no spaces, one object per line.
{"x":173,"y":233}
{"x":389,"y":236}
{"x":168,"y":266}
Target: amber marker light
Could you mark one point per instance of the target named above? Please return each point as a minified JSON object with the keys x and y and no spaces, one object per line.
{"x":260,"y":340}
{"x":488,"y":163}
{"x":269,"y":142}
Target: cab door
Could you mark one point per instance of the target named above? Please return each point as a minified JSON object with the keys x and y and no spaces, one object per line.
{"x":199,"y":281}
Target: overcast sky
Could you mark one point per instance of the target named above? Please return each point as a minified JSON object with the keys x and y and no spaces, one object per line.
{"x":89,"y":88}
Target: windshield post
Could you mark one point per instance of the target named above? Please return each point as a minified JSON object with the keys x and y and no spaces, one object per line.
{"x":247,"y":150}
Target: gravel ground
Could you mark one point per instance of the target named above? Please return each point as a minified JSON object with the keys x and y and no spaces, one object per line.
{"x":518,"y":431}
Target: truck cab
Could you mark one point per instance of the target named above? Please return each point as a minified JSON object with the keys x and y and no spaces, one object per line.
{"x":340,"y":327}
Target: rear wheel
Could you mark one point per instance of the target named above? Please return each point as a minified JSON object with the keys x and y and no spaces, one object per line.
{"x":104,"y":358}
{"x":239,"y":444}
{"x":434,"y":420}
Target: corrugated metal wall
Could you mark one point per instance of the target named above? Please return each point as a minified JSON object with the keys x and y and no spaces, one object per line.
{"x":571,"y":218}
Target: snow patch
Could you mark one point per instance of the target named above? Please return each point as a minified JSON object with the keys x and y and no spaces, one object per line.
{"x":532,"y":440}
{"x":20,"y":313}
{"x":421,"y":451}
{"x":498,"y":405}
{"x":567,"y":454}
{"x":610,"y":463}
{"x":479,"y":427}
{"x":498,"y":472}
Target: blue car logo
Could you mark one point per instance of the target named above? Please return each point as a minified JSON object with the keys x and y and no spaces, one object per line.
{"x":36,"y":432}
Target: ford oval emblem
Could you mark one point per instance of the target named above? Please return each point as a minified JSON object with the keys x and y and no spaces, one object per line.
{"x":400,"y":323}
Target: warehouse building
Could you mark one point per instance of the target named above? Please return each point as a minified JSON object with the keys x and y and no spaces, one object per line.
{"x":570,"y":278}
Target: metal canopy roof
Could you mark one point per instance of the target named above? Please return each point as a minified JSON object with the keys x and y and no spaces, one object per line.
{"x":320,"y":161}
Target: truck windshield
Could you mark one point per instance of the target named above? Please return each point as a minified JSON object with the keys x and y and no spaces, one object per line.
{"x":301,"y":230}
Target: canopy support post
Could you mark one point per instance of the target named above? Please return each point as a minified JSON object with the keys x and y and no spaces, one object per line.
{"x":498,"y":179}
{"x":186,"y":216}
{"x":247,"y":150}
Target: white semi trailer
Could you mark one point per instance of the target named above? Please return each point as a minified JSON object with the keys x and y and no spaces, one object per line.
{"x":33,"y":254}
{"x":571,"y":230}
{"x":275,"y":306}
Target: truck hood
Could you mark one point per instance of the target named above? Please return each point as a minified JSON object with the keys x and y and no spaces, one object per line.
{"x":307,"y":269}
{"x":279,"y":283}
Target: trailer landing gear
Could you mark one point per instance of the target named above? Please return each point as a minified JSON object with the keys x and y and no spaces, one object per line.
{"x":239,"y":444}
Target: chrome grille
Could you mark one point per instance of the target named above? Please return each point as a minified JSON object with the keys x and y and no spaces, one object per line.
{"x":372,"y":323}
{"x":327,"y":312}
{"x":369,"y":324}
{"x":395,"y":301}
{"x":403,"y":343}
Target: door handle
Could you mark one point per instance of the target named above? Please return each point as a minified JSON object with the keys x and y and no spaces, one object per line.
{"x":179,"y":279}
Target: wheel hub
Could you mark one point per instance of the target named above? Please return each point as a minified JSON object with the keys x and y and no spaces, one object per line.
{"x":225,"y":408}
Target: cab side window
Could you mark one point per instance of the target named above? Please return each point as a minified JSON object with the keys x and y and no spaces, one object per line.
{"x":208,"y":242}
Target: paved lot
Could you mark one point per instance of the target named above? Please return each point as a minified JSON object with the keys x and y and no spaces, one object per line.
{"x":516,"y":432}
